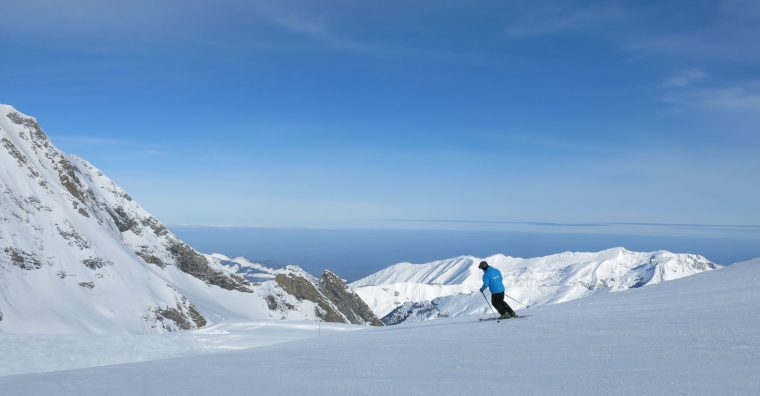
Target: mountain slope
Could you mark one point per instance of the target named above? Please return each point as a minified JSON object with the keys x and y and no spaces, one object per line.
{"x":79,"y":255}
{"x":450,"y":287}
{"x":696,"y":335}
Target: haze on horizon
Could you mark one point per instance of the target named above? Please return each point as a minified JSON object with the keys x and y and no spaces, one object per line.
{"x":348,"y":114}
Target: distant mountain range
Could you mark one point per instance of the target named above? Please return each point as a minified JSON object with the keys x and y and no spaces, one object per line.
{"x":444,"y":288}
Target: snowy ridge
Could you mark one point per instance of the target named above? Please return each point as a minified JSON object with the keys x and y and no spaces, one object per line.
{"x":450,"y":287}
{"x":79,"y":255}
{"x":254,"y":272}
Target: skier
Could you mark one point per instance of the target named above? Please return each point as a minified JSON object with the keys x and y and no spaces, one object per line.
{"x":492,"y":280}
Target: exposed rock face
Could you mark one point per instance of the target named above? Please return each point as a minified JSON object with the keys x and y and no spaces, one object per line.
{"x":149,"y":258}
{"x":335,"y":300}
{"x":22,"y":259}
{"x":195,"y":264}
{"x":304,"y":289}
{"x":124,"y":222}
{"x":96,"y":263}
{"x":420,"y":310}
{"x":346,"y":300}
{"x":183,"y":316}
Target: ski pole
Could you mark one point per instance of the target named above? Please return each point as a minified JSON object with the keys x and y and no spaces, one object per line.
{"x":526,"y":306}
{"x":489,"y":304}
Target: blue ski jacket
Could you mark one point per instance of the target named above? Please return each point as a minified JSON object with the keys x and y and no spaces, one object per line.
{"x":492,"y":280}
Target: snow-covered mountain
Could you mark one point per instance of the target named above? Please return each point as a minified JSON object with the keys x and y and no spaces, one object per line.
{"x":414,"y":292}
{"x":79,"y":255}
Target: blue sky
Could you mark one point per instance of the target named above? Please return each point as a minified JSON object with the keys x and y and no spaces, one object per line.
{"x":348,"y":114}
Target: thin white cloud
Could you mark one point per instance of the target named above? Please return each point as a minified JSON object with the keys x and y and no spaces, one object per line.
{"x":559,"y":20}
{"x":740,"y":97}
{"x":301,"y":24}
{"x":719,"y":43}
{"x":685,"y":78}
{"x":323,"y":36}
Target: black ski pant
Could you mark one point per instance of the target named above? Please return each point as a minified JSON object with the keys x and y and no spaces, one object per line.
{"x":497,"y":299}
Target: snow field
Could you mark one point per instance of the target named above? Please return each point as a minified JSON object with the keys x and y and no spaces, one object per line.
{"x":35,"y":353}
{"x":698,"y":335}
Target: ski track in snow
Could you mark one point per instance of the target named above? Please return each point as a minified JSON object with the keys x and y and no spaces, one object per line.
{"x":697,"y":335}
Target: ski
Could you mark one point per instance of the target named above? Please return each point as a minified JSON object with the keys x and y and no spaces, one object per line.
{"x":496,"y":318}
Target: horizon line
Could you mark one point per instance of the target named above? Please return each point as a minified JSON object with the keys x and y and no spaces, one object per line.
{"x":589,"y":224}
{"x":512,"y":222}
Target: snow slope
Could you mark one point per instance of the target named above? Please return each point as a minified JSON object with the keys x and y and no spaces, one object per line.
{"x":36,"y":353}
{"x":449,"y":287}
{"x":698,"y":335}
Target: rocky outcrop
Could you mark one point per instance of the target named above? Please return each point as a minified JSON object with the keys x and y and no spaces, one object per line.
{"x":336,"y":302}
{"x":41,"y":144}
{"x":22,"y":259}
{"x":124,"y":222}
{"x":424,"y":310}
{"x":195,"y":264}
{"x":96,"y":263}
{"x":182,"y":316}
{"x":303,"y":288}
{"x":87,"y":285}
{"x":346,"y":300}
{"x":184,"y":321}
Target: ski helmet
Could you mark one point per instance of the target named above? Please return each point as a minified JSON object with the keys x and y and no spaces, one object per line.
{"x":483,"y":265}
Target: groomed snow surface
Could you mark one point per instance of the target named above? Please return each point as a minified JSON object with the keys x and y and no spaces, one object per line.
{"x":34,"y":353}
{"x":697,"y":335}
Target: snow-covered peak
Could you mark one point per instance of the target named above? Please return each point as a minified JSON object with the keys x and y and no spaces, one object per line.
{"x":448,"y":271}
{"x":6,"y":109}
